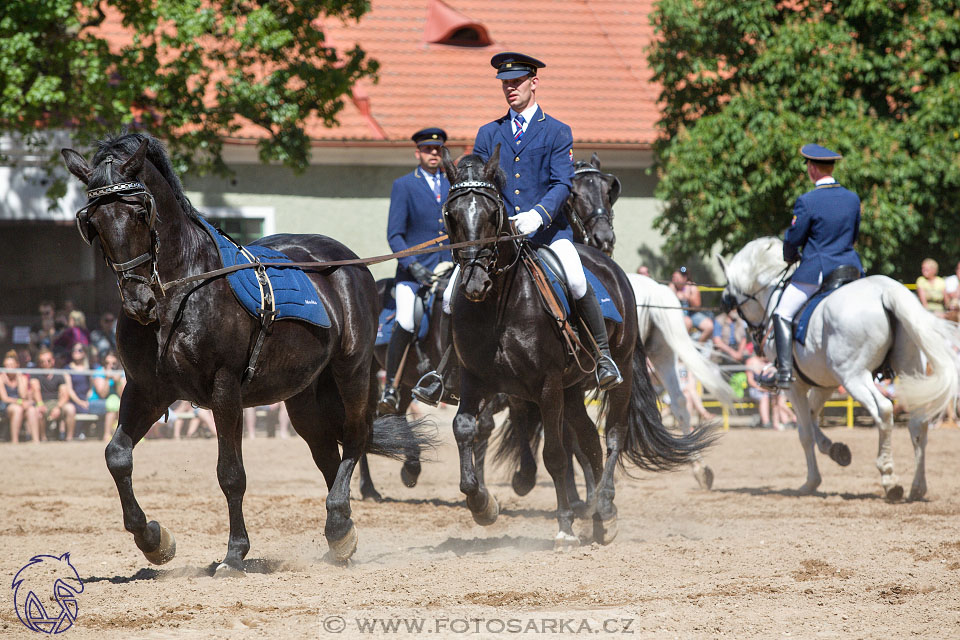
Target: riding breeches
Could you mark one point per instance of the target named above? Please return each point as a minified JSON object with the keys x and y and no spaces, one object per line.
{"x":793,"y":298}
{"x":406,"y":295}
{"x":569,"y":258}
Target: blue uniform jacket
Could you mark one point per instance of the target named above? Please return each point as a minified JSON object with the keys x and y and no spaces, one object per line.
{"x":826,"y":223}
{"x":538,"y":170}
{"x":415,"y":217}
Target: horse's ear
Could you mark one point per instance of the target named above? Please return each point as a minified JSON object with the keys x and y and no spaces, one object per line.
{"x":490,"y":169}
{"x":723,"y":265}
{"x":76,"y":164}
{"x":595,"y":160}
{"x":134,"y":163}
{"x":447,"y":161}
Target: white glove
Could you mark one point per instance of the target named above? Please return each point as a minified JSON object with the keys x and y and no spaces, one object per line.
{"x":527,"y":221}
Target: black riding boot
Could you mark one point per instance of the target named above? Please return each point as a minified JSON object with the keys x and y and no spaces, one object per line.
{"x":783,"y":340}
{"x":608,"y":375}
{"x":443,"y":383}
{"x":390,"y":400}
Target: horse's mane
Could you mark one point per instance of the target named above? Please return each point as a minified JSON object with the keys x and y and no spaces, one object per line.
{"x":125,"y":145}
{"x":470,"y":167}
{"x":758,"y":264}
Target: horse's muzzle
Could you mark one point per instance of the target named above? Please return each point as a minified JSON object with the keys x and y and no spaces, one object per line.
{"x":140,"y":304}
{"x":476,"y":284}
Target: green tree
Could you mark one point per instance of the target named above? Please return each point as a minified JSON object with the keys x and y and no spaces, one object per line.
{"x":745,"y":84}
{"x":188,"y":71}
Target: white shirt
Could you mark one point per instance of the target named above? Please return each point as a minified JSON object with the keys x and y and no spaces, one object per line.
{"x":825,"y":180}
{"x":527,"y":114}
{"x":433,"y":179}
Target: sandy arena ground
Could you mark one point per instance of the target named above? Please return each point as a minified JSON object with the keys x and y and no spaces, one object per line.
{"x":746,"y":560}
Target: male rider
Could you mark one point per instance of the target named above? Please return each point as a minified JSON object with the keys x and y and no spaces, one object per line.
{"x":536,"y":154}
{"x":415,"y":217}
{"x":826,"y":222}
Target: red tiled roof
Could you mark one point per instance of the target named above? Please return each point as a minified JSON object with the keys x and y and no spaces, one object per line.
{"x":596,"y":78}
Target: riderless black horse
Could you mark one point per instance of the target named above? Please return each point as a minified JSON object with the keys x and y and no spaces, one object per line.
{"x":193,"y":341}
{"x":506,"y":343}
{"x":589,"y":207}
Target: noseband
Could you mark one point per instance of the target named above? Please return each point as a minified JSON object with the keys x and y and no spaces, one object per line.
{"x":485,"y":258}
{"x":601,"y":212}
{"x":118,"y":191}
{"x":758,"y":331}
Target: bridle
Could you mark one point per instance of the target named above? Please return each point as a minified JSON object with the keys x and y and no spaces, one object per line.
{"x":118,"y":191}
{"x":758,"y":331}
{"x":587,"y":222}
{"x":485,"y":258}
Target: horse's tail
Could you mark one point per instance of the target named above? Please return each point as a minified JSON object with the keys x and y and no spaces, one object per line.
{"x":648,"y":444}
{"x":936,"y":337}
{"x":396,"y":437}
{"x":665,"y":313}
{"x":519,"y":432}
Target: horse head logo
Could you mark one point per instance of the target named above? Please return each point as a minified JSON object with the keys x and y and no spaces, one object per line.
{"x":45,"y":594}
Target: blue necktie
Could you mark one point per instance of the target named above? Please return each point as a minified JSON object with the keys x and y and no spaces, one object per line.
{"x":519,"y":134}
{"x":436,"y":186}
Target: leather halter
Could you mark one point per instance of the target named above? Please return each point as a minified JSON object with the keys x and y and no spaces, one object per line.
{"x":476,"y":257}
{"x":601,"y":212}
{"x":118,"y":191}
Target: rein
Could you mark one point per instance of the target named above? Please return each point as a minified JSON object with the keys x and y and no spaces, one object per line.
{"x":759,"y":331}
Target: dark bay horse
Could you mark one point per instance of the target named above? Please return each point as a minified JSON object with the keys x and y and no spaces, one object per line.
{"x":193,"y":342}
{"x":591,"y":199}
{"x":506,"y":343}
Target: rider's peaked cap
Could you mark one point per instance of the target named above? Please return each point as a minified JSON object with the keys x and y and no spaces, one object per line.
{"x":511,"y":65}
{"x":430,"y":136}
{"x":819,"y":154}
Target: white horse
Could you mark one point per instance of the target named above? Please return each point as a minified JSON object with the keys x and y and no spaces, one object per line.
{"x":666,"y":340}
{"x":872,"y":322}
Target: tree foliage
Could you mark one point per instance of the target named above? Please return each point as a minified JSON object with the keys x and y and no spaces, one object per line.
{"x":189,"y":71}
{"x":745,"y":84}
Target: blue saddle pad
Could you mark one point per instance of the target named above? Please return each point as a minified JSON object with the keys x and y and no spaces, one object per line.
{"x":803,"y":320}
{"x":388,"y":318}
{"x":294,"y":295}
{"x":609,"y":309}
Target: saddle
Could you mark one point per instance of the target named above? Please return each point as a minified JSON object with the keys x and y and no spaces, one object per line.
{"x":422,"y":306}
{"x":844,"y":274}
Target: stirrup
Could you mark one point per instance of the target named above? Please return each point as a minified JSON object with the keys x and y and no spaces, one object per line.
{"x":429,"y":388}
{"x":612,"y":377}
{"x":389,"y":401}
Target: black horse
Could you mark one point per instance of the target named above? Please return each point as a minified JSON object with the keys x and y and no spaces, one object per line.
{"x":589,"y":207}
{"x":506,"y":343}
{"x":193,"y":341}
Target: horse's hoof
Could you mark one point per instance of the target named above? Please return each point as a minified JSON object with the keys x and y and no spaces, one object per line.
{"x":581,"y":508}
{"x":840,"y":453}
{"x":703,"y":475}
{"x":370,"y":494}
{"x":808,"y":488}
{"x":894,"y":493}
{"x":917,"y":492}
{"x":565,"y":541}
{"x":343,"y":549}
{"x":522,"y":484}
{"x":224,"y":570}
{"x":408,"y":477}
{"x":605,"y":531}
{"x":165,"y":551}
{"x":488,"y":515}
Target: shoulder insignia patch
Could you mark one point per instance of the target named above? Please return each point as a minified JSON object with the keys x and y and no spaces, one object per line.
{"x":794,"y":221}
{"x":571,"y":154}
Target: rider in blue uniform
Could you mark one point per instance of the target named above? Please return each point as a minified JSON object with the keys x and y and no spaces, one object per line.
{"x":826,"y":222}
{"x":536,"y":154}
{"x":415,"y":217}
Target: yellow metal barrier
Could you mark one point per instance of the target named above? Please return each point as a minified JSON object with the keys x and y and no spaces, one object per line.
{"x":848,"y":403}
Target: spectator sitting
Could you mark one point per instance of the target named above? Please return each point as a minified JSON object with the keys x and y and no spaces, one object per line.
{"x":694,"y":403}
{"x":931,"y":287}
{"x":951,"y":295}
{"x":689,"y":296}
{"x":765,"y":409}
{"x":643,"y":270}
{"x":108,"y":385}
{"x":43,"y":331}
{"x":80,"y":385}
{"x":104,"y":338}
{"x":15,"y":401}
{"x":74,"y":333}
{"x":51,"y":393}
{"x":730,"y":336}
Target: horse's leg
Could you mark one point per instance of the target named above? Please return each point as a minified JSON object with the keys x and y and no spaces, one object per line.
{"x":485,"y":426}
{"x":863,"y":390}
{"x":525,"y":418}
{"x":838,"y":452}
{"x":367,"y":490}
{"x":805,"y":425}
{"x":555,"y":461}
{"x":570,"y":478}
{"x":481,"y":503}
{"x":228,"y":416}
{"x":605,"y":526}
{"x":918,"y":436}
{"x":588,"y":451}
{"x":139,"y":409}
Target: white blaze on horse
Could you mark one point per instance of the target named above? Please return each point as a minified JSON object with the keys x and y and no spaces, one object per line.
{"x":665,"y":337}
{"x":875,"y":322}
